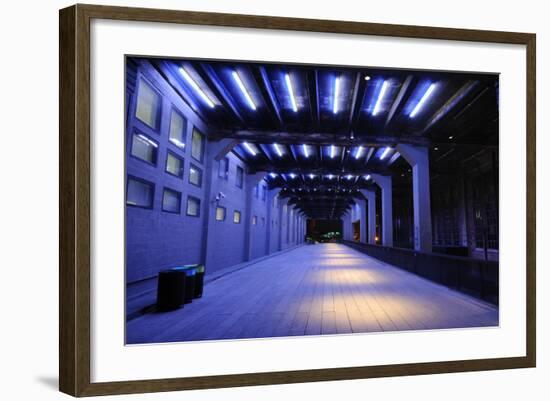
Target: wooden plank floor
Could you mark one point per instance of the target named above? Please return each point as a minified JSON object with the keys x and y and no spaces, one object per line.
{"x":312,"y":290}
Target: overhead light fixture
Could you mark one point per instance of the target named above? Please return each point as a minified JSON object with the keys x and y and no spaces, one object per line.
{"x":451,"y":137}
{"x":312,"y":176}
{"x":306,"y":151}
{"x":385,"y":153}
{"x":278,"y":150}
{"x":273,"y":175}
{"x":250,"y":149}
{"x":241,"y":86}
{"x":359,"y":152}
{"x":196,"y":87}
{"x":367,"y":177}
{"x":292,"y":175}
{"x":349,"y":176}
{"x":367,"y":78}
{"x":381,"y":95}
{"x":332,"y":151}
{"x":330,"y":176}
{"x":291,"y":92}
{"x":423,"y":100}
{"x":336,"y":94}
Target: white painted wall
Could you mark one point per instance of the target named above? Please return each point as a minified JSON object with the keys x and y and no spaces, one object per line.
{"x":29,"y":213}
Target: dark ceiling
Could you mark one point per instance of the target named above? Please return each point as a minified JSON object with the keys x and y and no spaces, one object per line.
{"x":320,"y":131}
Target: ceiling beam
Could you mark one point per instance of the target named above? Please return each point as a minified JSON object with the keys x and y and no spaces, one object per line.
{"x":209,"y":75}
{"x":458,"y":96}
{"x":353,"y":170}
{"x":261,"y":76}
{"x":358,"y":93}
{"x":333,"y":188}
{"x":318,"y":138}
{"x":313,"y":96}
{"x":399,"y":98}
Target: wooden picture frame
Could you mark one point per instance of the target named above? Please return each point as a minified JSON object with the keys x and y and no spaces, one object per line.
{"x":74,"y":203}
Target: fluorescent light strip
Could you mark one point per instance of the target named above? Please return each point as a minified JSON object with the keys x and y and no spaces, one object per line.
{"x":381,"y":95}
{"x":422,"y":101}
{"x":273,"y":175}
{"x":291,"y":92}
{"x":292,"y":175}
{"x":278,"y":150}
{"x":312,"y":176}
{"x":196,"y":87}
{"x":367,"y":177}
{"x":332,"y":151}
{"x":385,"y":153}
{"x":306,"y":152}
{"x":249,"y":148}
{"x":336,"y":93}
{"x":359,"y":152}
{"x":243,"y":90}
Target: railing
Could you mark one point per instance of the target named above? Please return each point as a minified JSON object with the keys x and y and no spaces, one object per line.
{"x":475,"y":277}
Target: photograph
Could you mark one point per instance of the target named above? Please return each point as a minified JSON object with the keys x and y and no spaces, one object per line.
{"x":275,"y":199}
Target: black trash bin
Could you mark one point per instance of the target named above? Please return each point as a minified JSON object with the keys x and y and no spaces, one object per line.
{"x":171,"y":289}
{"x":190,"y":272}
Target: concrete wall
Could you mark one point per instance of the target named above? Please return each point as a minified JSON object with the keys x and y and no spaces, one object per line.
{"x":275,"y":222}
{"x":226,"y":238}
{"x":155,"y":239}
{"x":258,"y":232}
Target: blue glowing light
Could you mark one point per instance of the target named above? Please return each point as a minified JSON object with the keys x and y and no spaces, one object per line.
{"x":250,"y":149}
{"x":196,"y":87}
{"x":423,"y":100}
{"x":385,"y":153}
{"x":306,"y":151}
{"x":380,"y":98}
{"x":336,"y":94}
{"x":291,"y":92}
{"x":278,"y":150}
{"x":243,"y":90}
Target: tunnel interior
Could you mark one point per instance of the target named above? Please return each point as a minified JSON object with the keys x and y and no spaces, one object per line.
{"x":230,"y":161}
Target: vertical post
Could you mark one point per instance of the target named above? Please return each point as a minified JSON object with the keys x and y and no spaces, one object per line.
{"x":385,"y":184}
{"x":370,"y":196}
{"x":462,"y":216}
{"x":270,"y":234}
{"x":215,"y":151}
{"x":346,"y":229}
{"x":418,"y":158}
{"x":283,"y":226}
{"x":362,"y":204}
{"x":250,"y":182}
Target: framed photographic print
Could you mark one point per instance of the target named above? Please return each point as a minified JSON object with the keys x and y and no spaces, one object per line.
{"x":250,"y":200}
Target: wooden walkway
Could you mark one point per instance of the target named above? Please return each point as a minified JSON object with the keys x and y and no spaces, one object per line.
{"x":313,"y":290}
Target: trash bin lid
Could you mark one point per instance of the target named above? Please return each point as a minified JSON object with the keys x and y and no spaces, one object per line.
{"x":171,"y":271}
{"x":189,"y":270}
